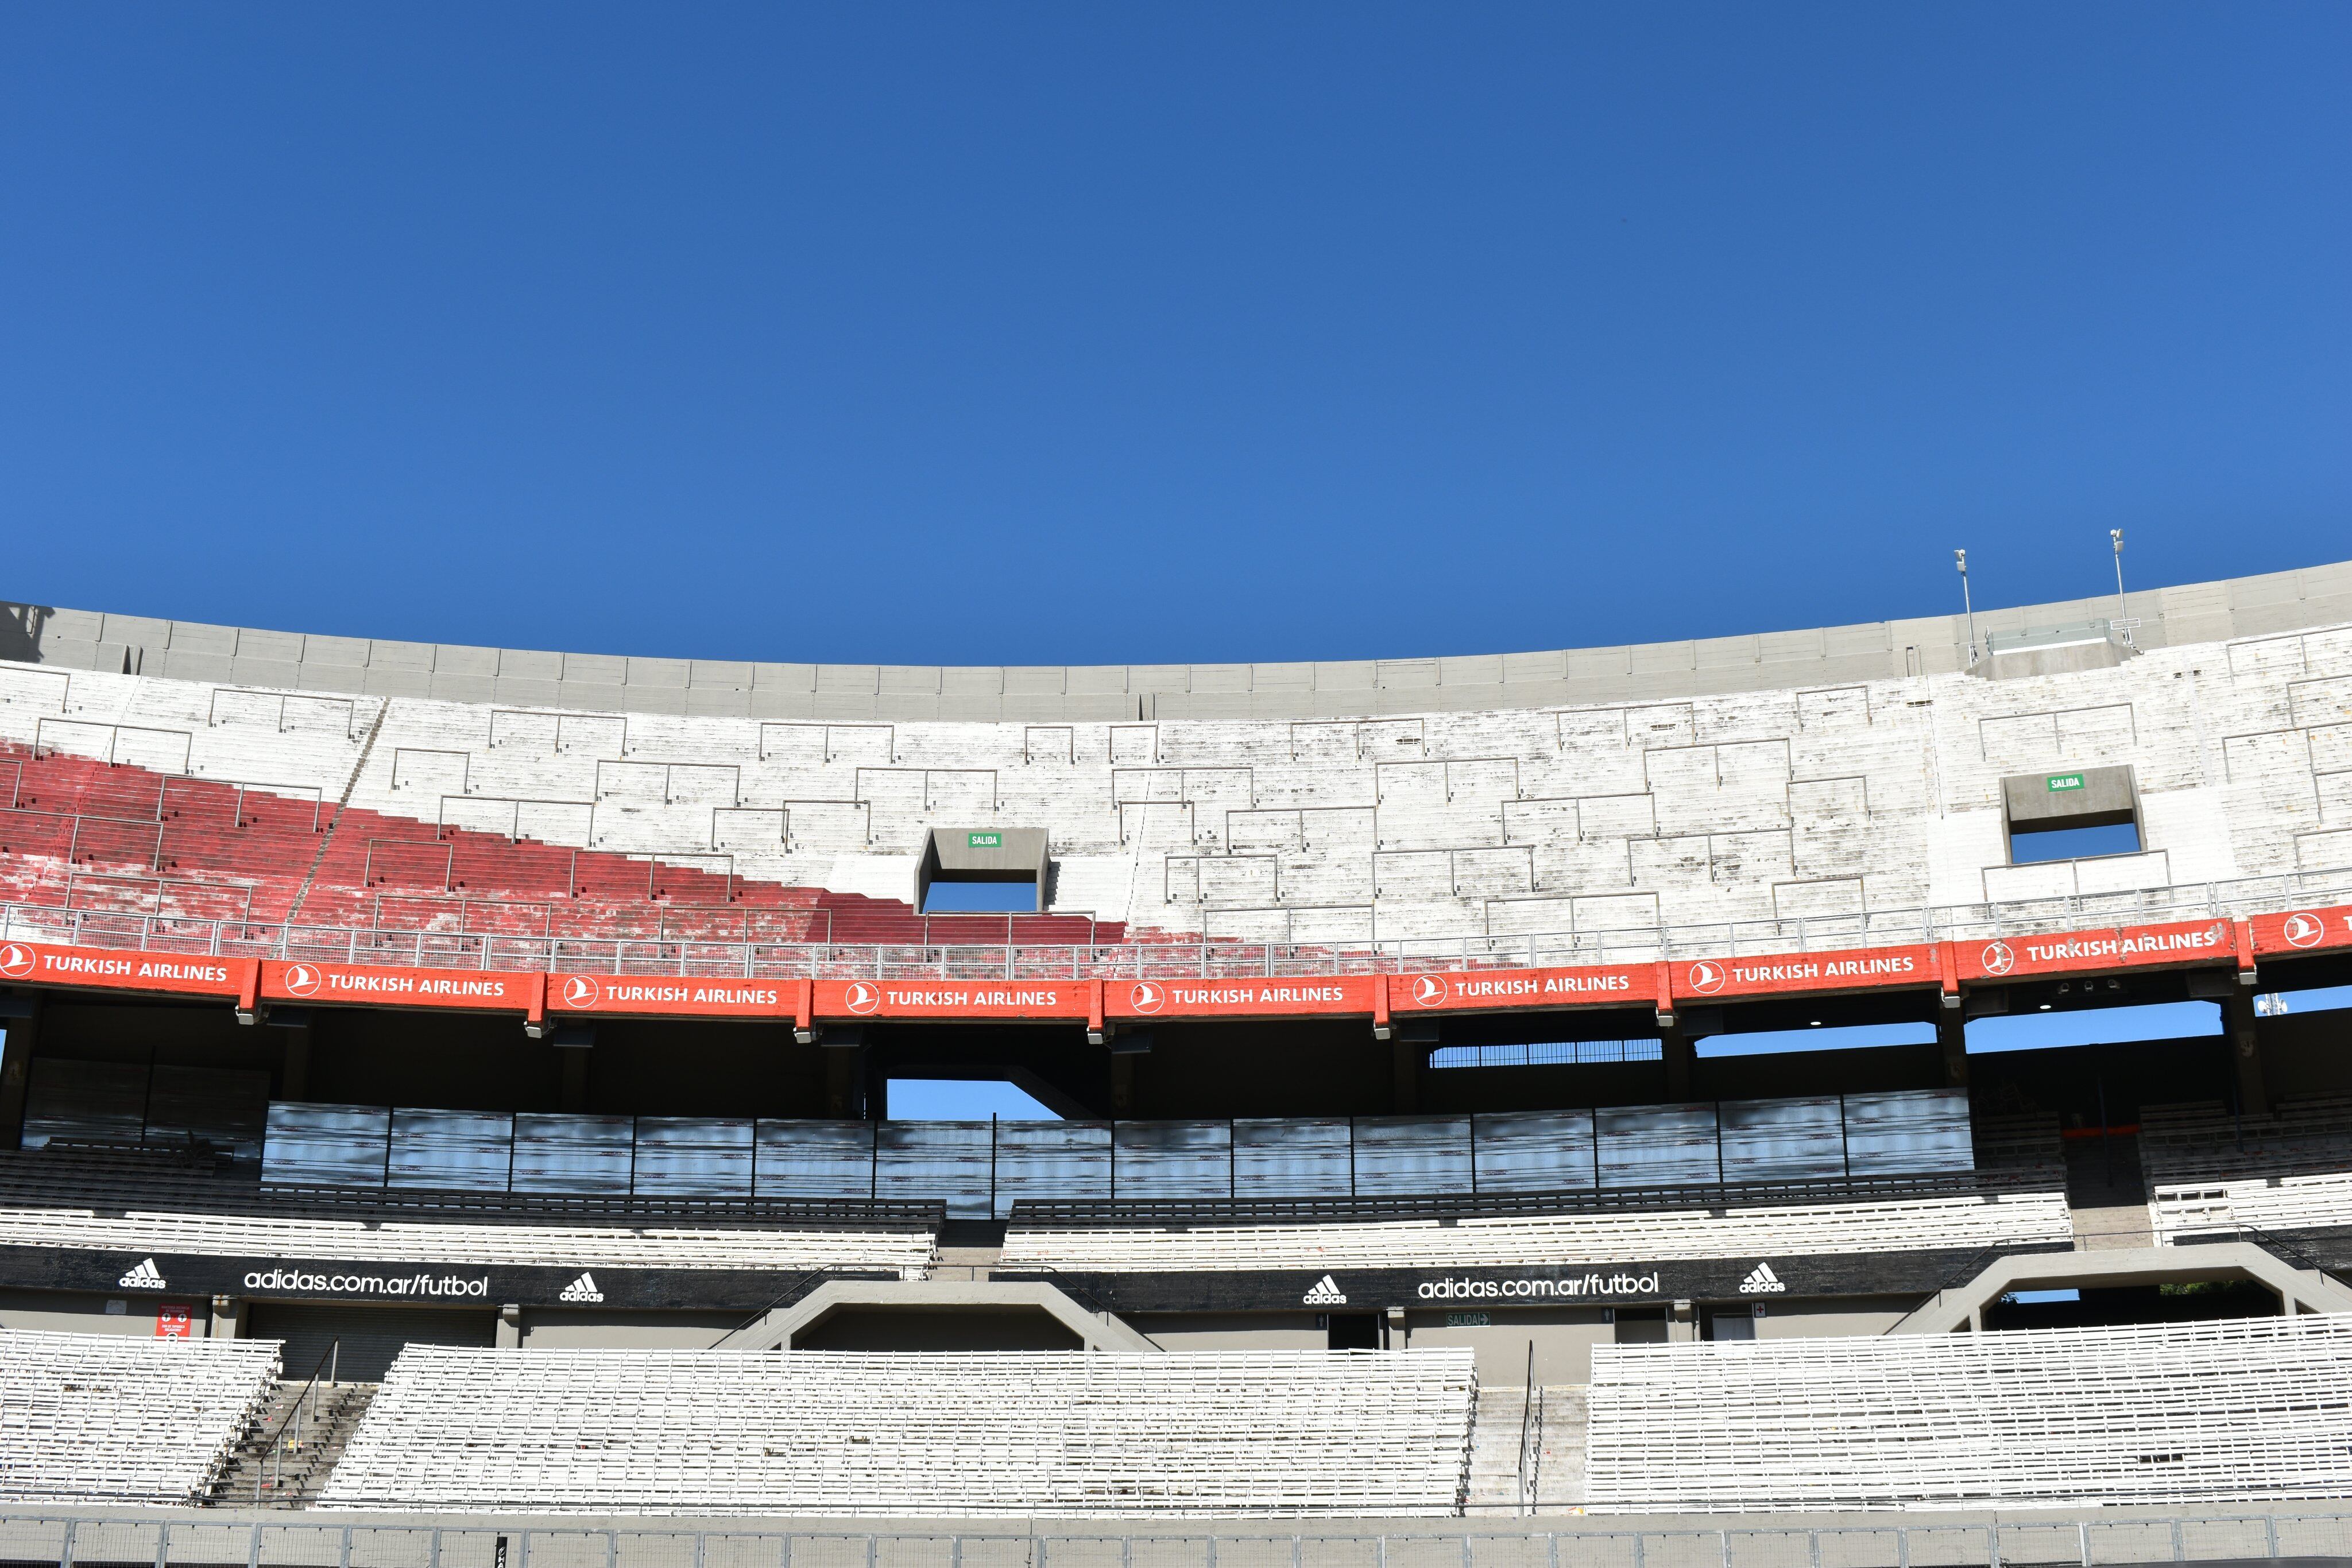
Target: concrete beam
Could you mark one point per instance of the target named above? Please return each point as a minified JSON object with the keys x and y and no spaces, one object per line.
{"x":1096,"y":1330}
{"x":1963,"y":1306}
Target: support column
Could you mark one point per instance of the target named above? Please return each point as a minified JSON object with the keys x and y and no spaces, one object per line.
{"x":16,"y":1072}
{"x":1951,"y":1033}
{"x":294,"y":1064}
{"x":1122,"y":1085}
{"x":228,"y":1317}
{"x":1406,"y":1060}
{"x":844,"y":1099}
{"x":574,"y":1094}
{"x":510,"y":1327}
{"x":2238,"y":1023}
{"x":1681,"y":1052}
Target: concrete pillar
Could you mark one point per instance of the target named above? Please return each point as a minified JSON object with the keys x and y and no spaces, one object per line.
{"x":15,"y":1074}
{"x":1122,"y":1085}
{"x":1681,"y":1052}
{"x":294,"y":1064}
{"x":228,"y":1317}
{"x":1951,"y":1033}
{"x":510,"y":1326}
{"x":574,"y":1096}
{"x":1404,"y":1076}
{"x":1682,"y":1322}
{"x":2245,"y":1050}
{"x":843,"y":1101}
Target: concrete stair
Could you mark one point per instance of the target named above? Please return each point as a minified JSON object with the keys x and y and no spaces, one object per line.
{"x":1555,"y":1453}
{"x":290,"y":1473}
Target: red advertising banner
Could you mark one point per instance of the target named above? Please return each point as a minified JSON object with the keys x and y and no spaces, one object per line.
{"x":1617,"y":986}
{"x":2302,"y":931}
{"x":953,"y":999}
{"x":37,"y":964}
{"x":1860,"y":968}
{"x":2132,"y":947}
{"x":1270,"y":997}
{"x":671,"y":998}
{"x":479,"y":990}
{"x":173,"y":1323}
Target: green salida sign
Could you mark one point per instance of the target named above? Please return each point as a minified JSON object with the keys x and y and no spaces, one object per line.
{"x":989,"y":841}
{"x":2063,"y":781}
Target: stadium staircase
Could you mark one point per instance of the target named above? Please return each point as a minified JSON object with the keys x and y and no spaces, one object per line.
{"x":1522,"y":1465}
{"x":2106,"y":1194}
{"x":311,"y":1425}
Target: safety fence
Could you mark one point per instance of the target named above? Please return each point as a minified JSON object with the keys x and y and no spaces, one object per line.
{"x":1185,"y":959}
{"x":1907,"y":1541}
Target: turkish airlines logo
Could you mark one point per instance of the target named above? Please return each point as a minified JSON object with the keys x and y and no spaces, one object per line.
{"x":582,"y":991}
{"x":1997,"y":959}
{"x":863,"y":997}
{"x":2303,"y":929}
{"x":1147,"y":997}
{"x":15,"y":960}
{"x":1428,"y":990}
{"x":302,"y":979}
{"x":1706,"y":976}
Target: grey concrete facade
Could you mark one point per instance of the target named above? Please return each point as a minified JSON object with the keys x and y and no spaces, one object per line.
{"x":91,"y":640}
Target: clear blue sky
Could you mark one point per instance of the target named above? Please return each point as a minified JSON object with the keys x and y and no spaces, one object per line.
{"x":982,"y":334}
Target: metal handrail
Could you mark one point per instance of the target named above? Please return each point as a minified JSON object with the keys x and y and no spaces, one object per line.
{"x":1150,"y":958}
{"x":275,"y":1446}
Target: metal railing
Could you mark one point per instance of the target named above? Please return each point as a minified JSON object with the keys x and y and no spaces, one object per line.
{"x":1907,"y":1539}
{"x":302,"y":1413}
{"x":1156,"y":959}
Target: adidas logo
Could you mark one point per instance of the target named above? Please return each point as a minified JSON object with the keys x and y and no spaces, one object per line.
{"x":582,"y":1288}
{"x":1325,"y":1292}
{"x":144,"y":1276}
{"x":1761,"y":1281}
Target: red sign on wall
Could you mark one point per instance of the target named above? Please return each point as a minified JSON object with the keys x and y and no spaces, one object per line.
{"x":2132,"y":946}
{"x":172,"y":1322}
{"x":38,"y":964}
{"x":2302,"y":931}
{"x":1861,"y":968}
{"x":361,"y":983}
{"x":1268,"y":998}
{"x":951,"y":998}
{"x":1618,"y":986}
{"x":668,"y":998}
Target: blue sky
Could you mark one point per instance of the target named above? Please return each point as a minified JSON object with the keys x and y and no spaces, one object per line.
{"x":1041,"y":334}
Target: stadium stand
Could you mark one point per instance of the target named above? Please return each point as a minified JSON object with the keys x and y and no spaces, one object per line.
{"x":1231,"y":1176}
{"x":256,"y":1236}
{"x":2227,"y":1411}
{"x":2213,"y":1171}
{"x":102,"y":1418}
{"x":433,"y":830}
{"x":1566,"y":1238}
{"x":734,"y":1433}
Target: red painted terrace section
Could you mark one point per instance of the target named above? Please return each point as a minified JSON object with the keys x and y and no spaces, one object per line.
{"x":84,"y":834}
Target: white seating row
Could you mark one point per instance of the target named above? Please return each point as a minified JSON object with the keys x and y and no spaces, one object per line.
{"x":1598,"y":1237}
{"x":728,"y":1432}
{"x":2323,"y":1202}
{"x":2229,"y":1411}
{"x":120,"y":1419}
{"x":445,"y":1241}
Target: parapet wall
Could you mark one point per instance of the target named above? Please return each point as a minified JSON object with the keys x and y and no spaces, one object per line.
{"x":2167,"y":617}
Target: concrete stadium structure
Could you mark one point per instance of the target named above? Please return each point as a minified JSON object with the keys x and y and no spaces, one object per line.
{"x":388,"y":999}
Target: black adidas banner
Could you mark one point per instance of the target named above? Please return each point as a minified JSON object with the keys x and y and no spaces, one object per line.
{"x":180,"y":1275}
{"x":1647,"y":1283}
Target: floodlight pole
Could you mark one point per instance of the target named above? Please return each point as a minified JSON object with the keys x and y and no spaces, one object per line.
{"x":1967,"y":607}
{"x":2122,"y":619}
